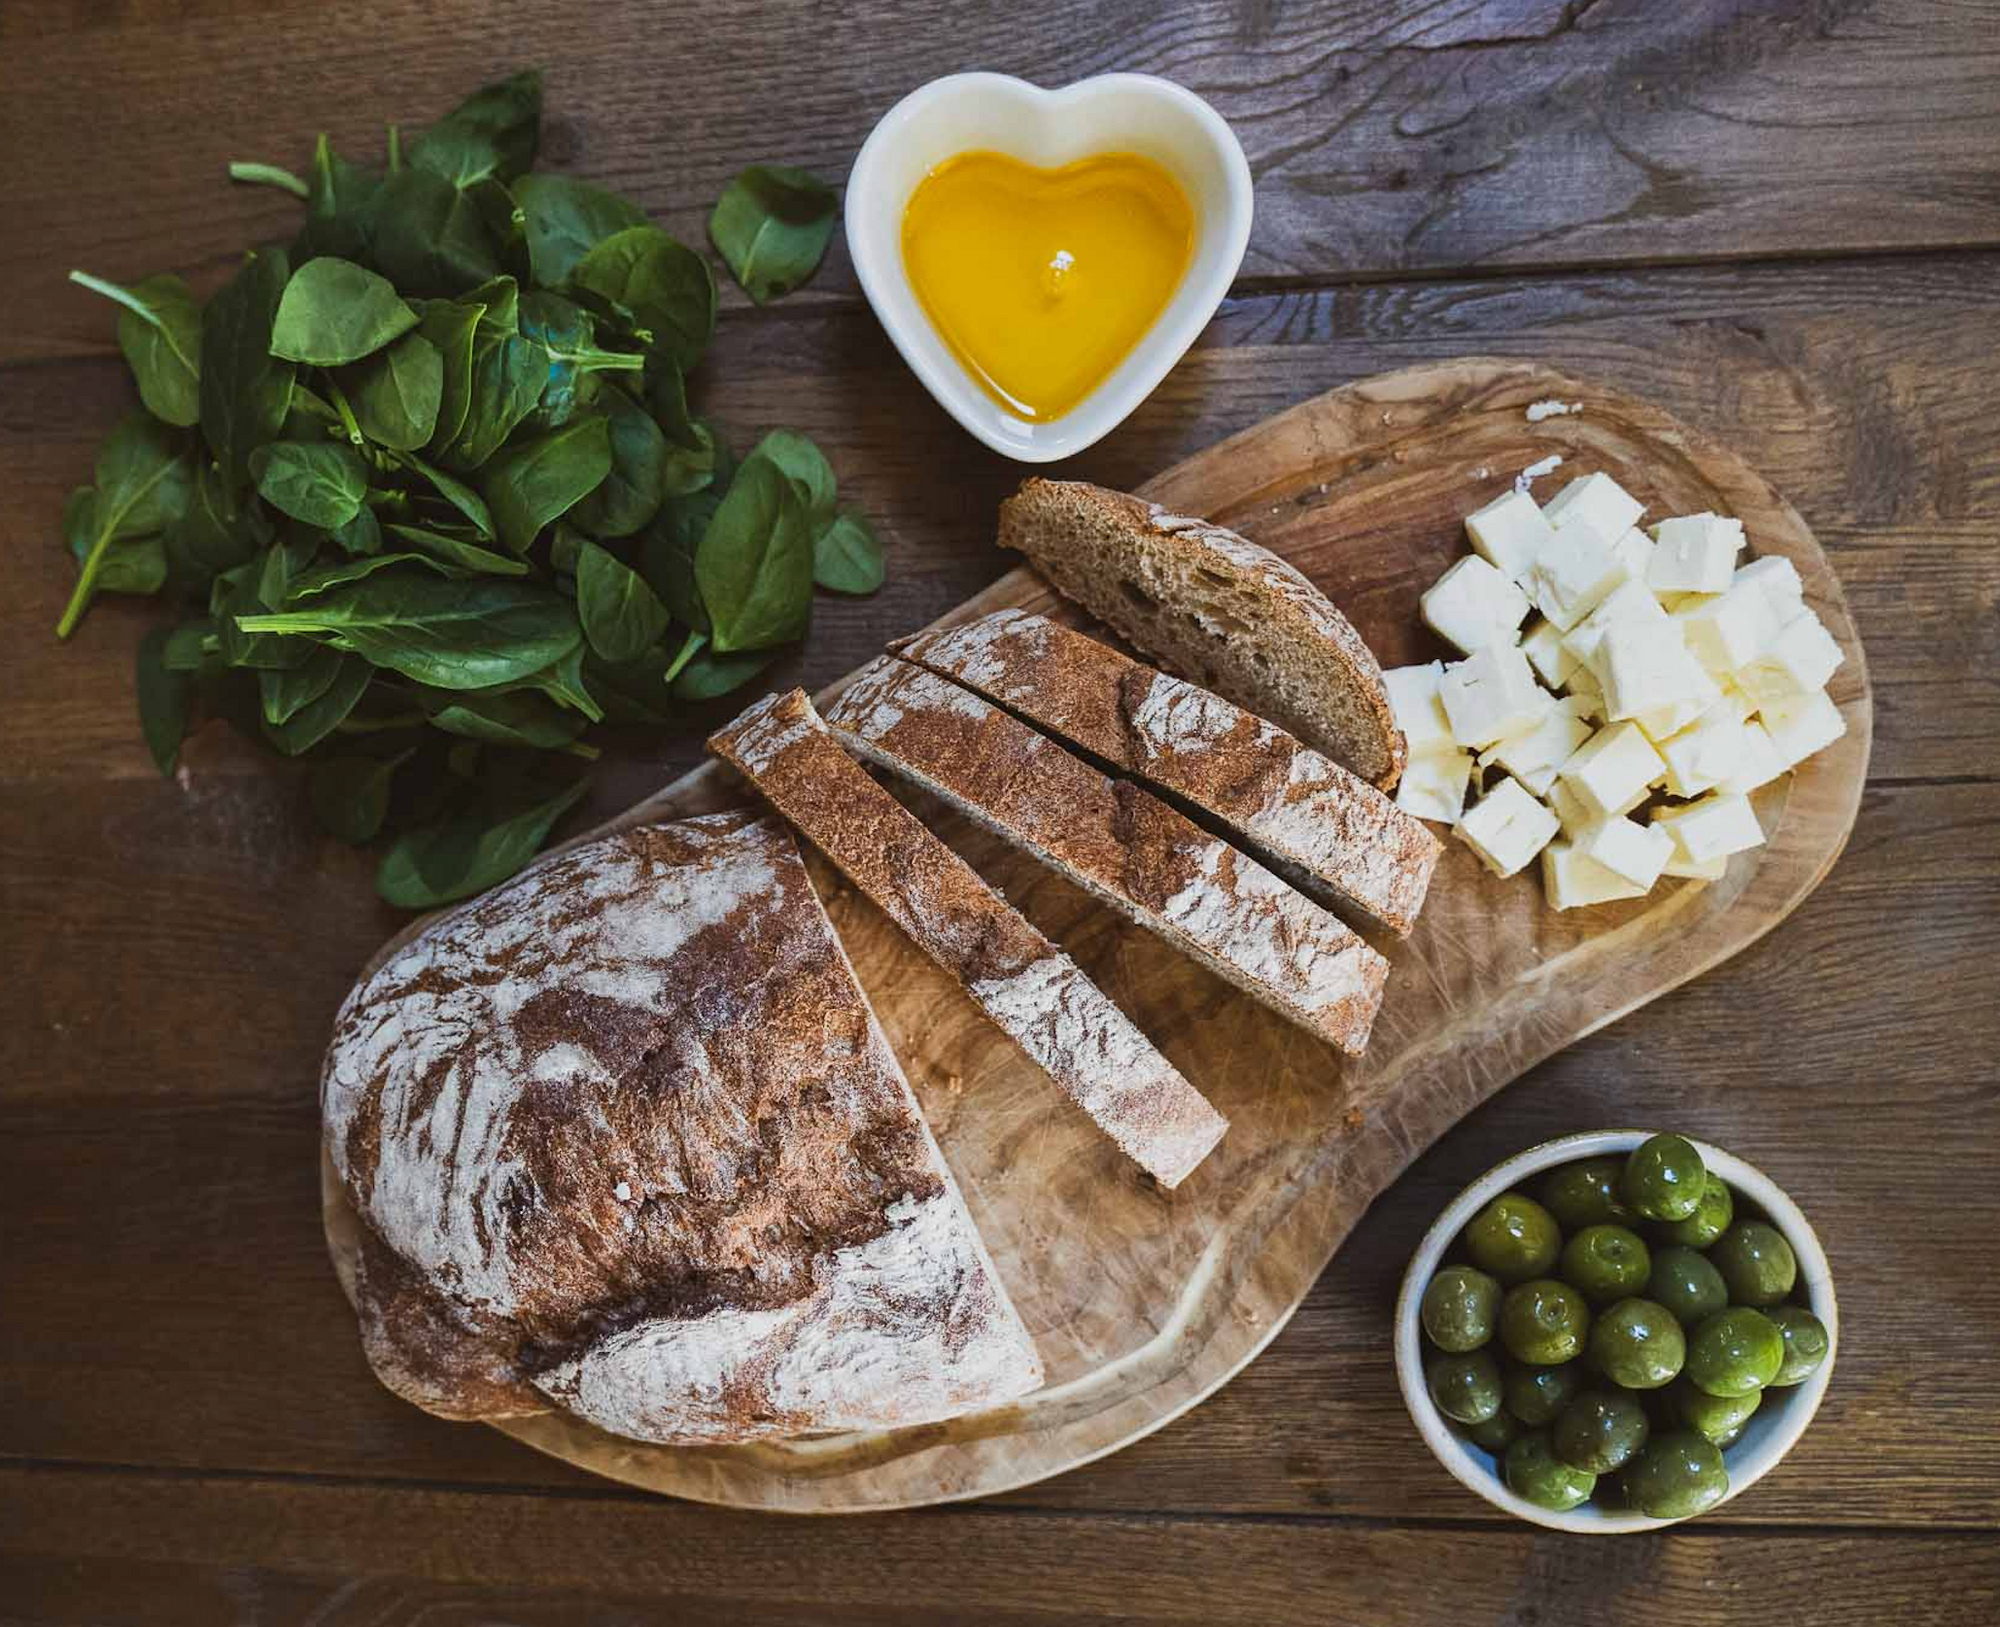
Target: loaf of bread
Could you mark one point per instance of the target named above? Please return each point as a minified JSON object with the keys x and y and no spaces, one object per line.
{"x":625,"y":1139}
{"x":1120,"y":843}
{"x":1326,"y":830}
{"x":1036,"y":994}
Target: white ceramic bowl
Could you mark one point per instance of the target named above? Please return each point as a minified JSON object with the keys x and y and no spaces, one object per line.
{"x":1115,"y":112}
{"x":1773,"y":1428}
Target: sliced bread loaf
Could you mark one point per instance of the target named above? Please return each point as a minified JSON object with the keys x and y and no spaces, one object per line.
{"x":1119,"y":842}
{"x":1036,"y":994}
{"x":1214,"y":607}
{"x":1328,"y":831}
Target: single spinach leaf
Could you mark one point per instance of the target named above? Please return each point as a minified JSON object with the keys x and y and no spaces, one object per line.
{"x":508,"y":375}
{"x":494,"y":131}
{"x":430,"y":237}
{"x":360,"y":535}
{"x":565,"y":219}
{"x":454,"y":556}
{"x":211,"y":535}
{"x":513,"y":718}
{"x":562,"y":680}
{"x":313,"y":722}
{"x":754,"y":565}
{"x":396,"y":393}
{"x":635,"y":691}
{"x":340,"y":208}
{"x":127,"y":564}
{"x":245,"y":390}
{"x":622,"y":617}
{"x":159,"y":330}
{"x":710,"y":674}
{"x":690,"y":463}
{"x":449,"y":325}
{"x":349,"y":793}
{"x":565,"y":549}
{"x":451,"y":634}
{"x":664,"y":284}
{"x":163,"y":699}
{"x":847,"y":555}
{"x":285,"y":690}
{"x":567,"y":333}
{"x":637,"y":484}
{"x":320,"y":483}
{"x":190,"y":647}
{"x":144,"y":478}
{"x":334,"y":311}
{"x":471,"y":850}
{"x":772,"y":224}
{"x":310,"y":583}
{"x":537,"y":481}
{"x":667,"y":555}
{"x":807,"y":468}
{"x":455,"y":492}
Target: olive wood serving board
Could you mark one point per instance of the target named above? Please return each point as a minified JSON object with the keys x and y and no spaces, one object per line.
{"x":1143,"y":1302}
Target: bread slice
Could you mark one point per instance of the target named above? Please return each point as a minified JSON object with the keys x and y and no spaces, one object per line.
{"x":1327,"y":831}
{"x":625,"y":1139}
{"x":1036,"y":994}
{"x":1214,"y":607}
{"x":1120,"y":843}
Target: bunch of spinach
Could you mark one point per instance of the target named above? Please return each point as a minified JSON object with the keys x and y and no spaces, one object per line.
{"x":427,"y":480}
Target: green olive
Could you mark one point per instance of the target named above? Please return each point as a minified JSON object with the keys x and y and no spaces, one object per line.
{"x":1677,"y":1474}
{"x":1466,"y":1389}
{"x":1637,"y":1344}
{"x":1496,"y":1434}
{"x":1461,"y":1308}
{"x":1544,"y":1322}
{"x":1756,"y":1262}
{"x":1806,"y":1343}
{"x":1709,"y":1221}
{"x":1513,"y":1238}
{"x":1586,"y":1194}
{"x":1720,"y":1417}
{"x":1687,"y":1285}
{"x":1534,"y":1471}
{"x":1663,"y":1178}
{"x":1600,"y":1430}
{"x":1606,"y":1263}
{"x":1536,"y":1394}
{"x":1735,"y":1352}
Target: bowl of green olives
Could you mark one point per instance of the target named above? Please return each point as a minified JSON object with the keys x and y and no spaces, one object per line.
{"x":1616,"y":1331}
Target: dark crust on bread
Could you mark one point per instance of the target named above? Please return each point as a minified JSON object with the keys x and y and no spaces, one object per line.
{"x":1021,"y":980}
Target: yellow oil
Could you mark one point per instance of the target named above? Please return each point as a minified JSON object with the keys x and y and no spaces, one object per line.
{"x":1042,"y":280}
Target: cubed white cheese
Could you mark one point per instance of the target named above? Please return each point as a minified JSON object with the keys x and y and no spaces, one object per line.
{"x":1664,"y":721}
{"x":1506,"y":828}
{"x":1634,"y":852}
{"x":1571,"y":880}
{"x":1801,"y":725}
{"x":1433,"y":787}
{"x":1635,"y":553}
{"x":1757,"y":764}
{"x":1777,"y":578}
{"x":1542,"y":644}
{"x":1646,"y":666}
{"x":1795,"y":663}
{"x":1492,"y":695}
{"x":1694,"y":554}
{"x":1534,"y":756}
{"x":1571,"y":811}
{"x":1599,"y":502}
{"x":1413,"y":700}
{"x":1627,"y":602}
{"x":1714,"y":827}
{"x":1584,"y":687}
{"x":1706,"y":870}
{"x":1730,"y":629}
{"x":1574,"y":573}
{"x":1508,"y":533}
{"x":1473,"y":605}
{"x":1705,"y":753}
{"x":1611,"y":771}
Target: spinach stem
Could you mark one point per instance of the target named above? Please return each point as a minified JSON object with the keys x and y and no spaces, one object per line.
{"x":346,"y":413}
{"x":688,"y":651}
{"x":124,"y":296}
{"x":268,"y":175}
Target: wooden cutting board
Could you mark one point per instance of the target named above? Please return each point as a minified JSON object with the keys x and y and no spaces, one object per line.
{"x":1144,"y":1302}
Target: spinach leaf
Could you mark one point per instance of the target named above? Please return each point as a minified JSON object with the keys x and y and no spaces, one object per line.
{"x":847,"y":555}
{"x":128,"y":565}
{"x":690,"y":464}
{"x":454,"y":556}
{"x":396,"y":393}
{"x":163,"y":700}
{"x":540,"y":480}
{"x":664,"y":284}
{"x":449,"y":325}
{"x":360,"y":535}
{"x":245,"y":390}
{"x":637,"y":484}
{"x":565,"y":549}
{"x":190,"y":647}
{"x":262,"y":585}
{"x":285,"y":690}
{"x":319,"y":483}
{"x":667,"y":556}
{"x":507,"y":378}
{"x":562,"y":680}
{"x":710,"y":674}
{"x":308,"y":584}
{"x":334,"y":311}
{"x":452,"y":634}
{"x":431,"y":238}
{"x":349,"y":794}
{"x":754,"y":565}
{"x":144,"y":476}
{"x":514,"y":718}
{"x":211,"y":536}
{"x":772,"y":225}
{"x":499,"y":126}
{"x":569,"y":336}
{"x":455,"y":492}
{"x":565,"y":219}
{"x":340,"y":208}
{"x":471,"y":850}
{"x":807,"y":468}
{"x":633,"y":691}
{"x":159,"y":330}
{"x":318,"y":718}
{"x":622,"y":617}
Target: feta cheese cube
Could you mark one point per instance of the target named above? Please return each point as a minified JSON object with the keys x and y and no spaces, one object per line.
{"x":1574,"y":573}
{"x":1802,"y":725}
{"x":1473,"y":605}
{"x":1694,"y":554}
{"x":1413,"y":701}
{"x":1433,"y":787}
{"x":1706,"y":870}
{"x":1508,"y":533}
{"x":1588,"y":692}
{"x":1492,"y":695}
{"x":1598,"y":502}
{"x":1612,"y":770}
{"x":1663,"y":721}
{"x":1534,"y":755}
{"x":1705,"y":753}
{"x":1646,"y":666}
{"x":1635,"y":553}
{"x":1543,"y":645}
{"x":1572,"y":880}
{"x":1713,"y":828}
{"x":1758,"y":763}
{"x":1506,"y":828}
{"x":1629,"y":850}
{"x":1795,"y":663}
{"x":1572,"y":813}
{"x":1626,"y":603}
{"x":1730,"y":629}
{"x":1777,"y":578}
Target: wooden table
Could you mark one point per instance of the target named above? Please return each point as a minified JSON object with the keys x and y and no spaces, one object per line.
{"x":1781,"y":221}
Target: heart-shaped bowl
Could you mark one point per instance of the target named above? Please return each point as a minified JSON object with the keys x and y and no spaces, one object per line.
{"x":1114,"y":112}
